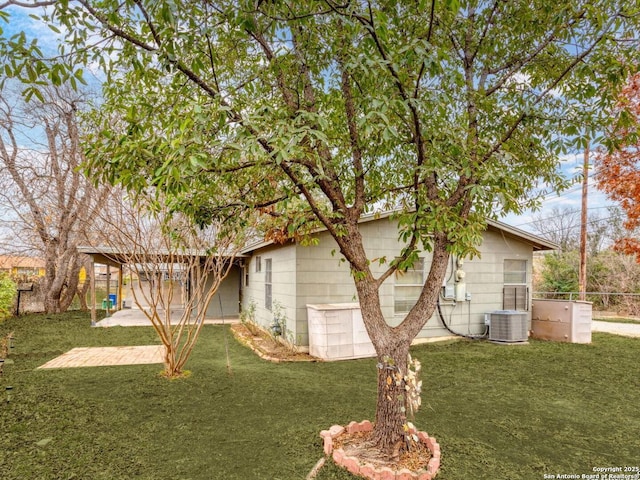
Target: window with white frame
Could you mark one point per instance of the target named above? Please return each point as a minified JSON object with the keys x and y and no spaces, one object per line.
{"x":408,"y":286}
{"x":258,"y":264}
{"x":268,"y":287}
{"x":245,"y":274}
{"x":515,"y":294}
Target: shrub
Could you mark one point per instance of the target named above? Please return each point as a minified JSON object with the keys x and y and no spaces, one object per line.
{"x":7,"y":295}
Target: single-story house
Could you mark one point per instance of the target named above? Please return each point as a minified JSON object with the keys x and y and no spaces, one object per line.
{"x":21,"y":266}
{"x":285,"y":279}
{"x":291,"y":281}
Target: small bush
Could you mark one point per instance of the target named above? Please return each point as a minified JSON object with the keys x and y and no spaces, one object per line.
{"x":7,"y":296}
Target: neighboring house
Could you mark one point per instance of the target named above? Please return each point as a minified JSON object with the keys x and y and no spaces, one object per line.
{"x":30,"y":267}
{"x":284,"y":279}
{"x":100,"y":273}
{"x":22,"y":267}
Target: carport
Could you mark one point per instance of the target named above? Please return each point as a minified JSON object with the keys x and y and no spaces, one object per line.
{"x":225,"y":303}
{"x":110,"y":259}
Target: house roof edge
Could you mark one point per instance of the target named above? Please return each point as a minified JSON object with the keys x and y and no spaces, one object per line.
{"x":538,"y":243}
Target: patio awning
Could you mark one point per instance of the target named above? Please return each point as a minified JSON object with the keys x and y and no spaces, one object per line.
{"x":114,"y":257}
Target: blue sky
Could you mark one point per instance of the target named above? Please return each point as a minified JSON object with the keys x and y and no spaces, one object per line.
{"x":21,"y":21}
{"x":571,"y":166}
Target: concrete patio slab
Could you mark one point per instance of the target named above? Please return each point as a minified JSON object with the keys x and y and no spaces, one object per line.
{"x":134,"y":317}
{"x":107,"y":356}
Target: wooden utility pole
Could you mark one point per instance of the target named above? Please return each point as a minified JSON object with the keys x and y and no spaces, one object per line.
{"x":582,"y":280}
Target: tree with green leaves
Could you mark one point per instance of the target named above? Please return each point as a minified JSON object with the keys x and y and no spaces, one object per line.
{"x":317,"y":112}
{"x":611,"y":276}
{"x":558,"y":273}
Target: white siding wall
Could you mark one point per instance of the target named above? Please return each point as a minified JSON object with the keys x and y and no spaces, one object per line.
{"x":311,"y":275}
{"x":484,"y":282}
{"x":322,"y":278}
{"x":229,"y":293}
{"x":283,"y":278}
{"x":143,"y":288}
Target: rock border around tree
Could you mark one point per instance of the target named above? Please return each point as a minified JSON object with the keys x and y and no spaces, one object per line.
{"x":367,"y":470}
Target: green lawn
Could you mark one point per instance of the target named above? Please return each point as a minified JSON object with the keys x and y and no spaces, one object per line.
{"x":618,"y":320}
{"x":499,"y":412}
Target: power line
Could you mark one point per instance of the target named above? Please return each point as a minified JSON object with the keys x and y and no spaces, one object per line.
{"x":577,"y":187}
{"x":568,"y":212}
{"x":590,"y":222}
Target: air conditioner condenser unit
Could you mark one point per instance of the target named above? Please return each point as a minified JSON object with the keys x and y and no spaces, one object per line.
{"x":508,"y":326}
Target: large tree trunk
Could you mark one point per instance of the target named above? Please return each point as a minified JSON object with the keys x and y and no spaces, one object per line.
{"x":61,"y":279}
{"x":72,"y":278}
{"x":392,"y":348}
{"x":391,"y":404}
{"x":51,"y":195}
{"x":81,"y":292}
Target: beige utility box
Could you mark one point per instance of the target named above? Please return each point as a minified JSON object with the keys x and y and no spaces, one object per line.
{"x":561,"y":320}
{"x":337,"y":332}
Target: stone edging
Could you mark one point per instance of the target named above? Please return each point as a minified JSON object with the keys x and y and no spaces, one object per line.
{"x":367,"y":470}
{"x":254,"y":348}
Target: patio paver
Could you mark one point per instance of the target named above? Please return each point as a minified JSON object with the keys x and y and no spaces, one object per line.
{"x":107,"y":356}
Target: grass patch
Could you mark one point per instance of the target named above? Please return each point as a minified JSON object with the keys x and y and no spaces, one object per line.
{"x":634,"y":321}
{"x":498,"y":411}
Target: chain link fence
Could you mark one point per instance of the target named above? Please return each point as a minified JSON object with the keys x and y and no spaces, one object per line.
{"x":31,"y":298}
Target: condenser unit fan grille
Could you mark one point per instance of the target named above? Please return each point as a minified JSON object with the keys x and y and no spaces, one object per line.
{"x":508,"y":326}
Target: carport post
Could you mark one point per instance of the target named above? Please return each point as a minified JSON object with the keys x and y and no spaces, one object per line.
{"x":119,"y":297}
{"x":108,"y":288}
{"x":92,"y":287}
